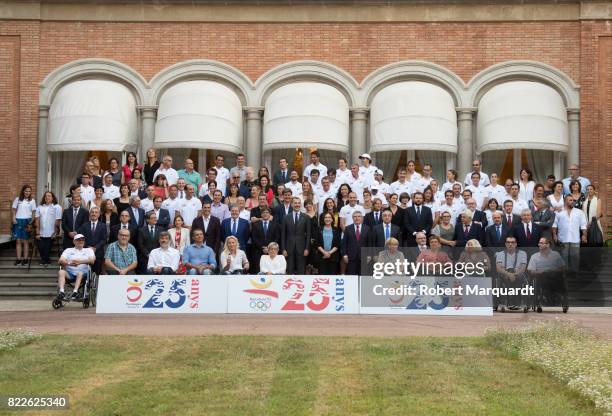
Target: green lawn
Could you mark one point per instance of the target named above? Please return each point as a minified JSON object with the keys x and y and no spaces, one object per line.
{"x":123,"y":375}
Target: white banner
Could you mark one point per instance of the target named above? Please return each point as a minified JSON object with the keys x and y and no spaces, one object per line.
{"x":161,"y":294}
{"x":293,"y":294}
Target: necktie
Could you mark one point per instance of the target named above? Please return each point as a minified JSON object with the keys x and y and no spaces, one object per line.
{"x":509,"y":220}
{"x":498,"y":232}
{"x":181,"y":195}
{"x":466,"y":230}
{"x":152,"y":231}
{"x":419,"y":212}
{"x":527,"y":231}
{"x":297,"y":217}
{"x":376,"y":216}
{"x":124,"y":226}
{"x":357,"y":233}
{"x":93,"y":227}
{"x":284,"y":177}
{"x":234,"y":227}
{"x":74,"y":217}
{"x":136,"y":215}
{"x":387,"y":232}
{"x":265,"y":227}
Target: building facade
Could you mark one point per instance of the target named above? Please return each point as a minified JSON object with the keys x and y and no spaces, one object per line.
{"x":516,"y":85}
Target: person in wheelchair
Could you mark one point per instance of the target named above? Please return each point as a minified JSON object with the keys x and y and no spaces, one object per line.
{"x":165,"y":259}
{"x":233,"y":260}
{"x":546,"y":267}
{"x":75,"y":262}
{"x":511,"y":265}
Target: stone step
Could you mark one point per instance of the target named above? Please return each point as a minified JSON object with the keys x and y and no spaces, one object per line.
{"x":13,"y":285}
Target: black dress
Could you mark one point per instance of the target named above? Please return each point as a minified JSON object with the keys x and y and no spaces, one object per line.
{"x":313,"y":258}
{"x":579,"y":202}
{"x":121,"y":206}
{"x":149,"y":171}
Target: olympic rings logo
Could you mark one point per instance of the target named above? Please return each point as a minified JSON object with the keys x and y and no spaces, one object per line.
{"x":260,"y":304}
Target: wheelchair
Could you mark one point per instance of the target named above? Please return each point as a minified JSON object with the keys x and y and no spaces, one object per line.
{"x":87,"y":292}
{"x":552,"y":287}
{"x":525,"y":302}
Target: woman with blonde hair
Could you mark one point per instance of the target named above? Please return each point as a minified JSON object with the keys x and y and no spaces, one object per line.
{"x":150,"y":166}
{"x":473,"y":254}
{"x":233,"y":260}
{"x":272,"y":263}
{"x":391,"y":252}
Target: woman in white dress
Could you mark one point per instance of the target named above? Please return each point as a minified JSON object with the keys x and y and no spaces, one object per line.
{"x":556,"y":198}
{"x":592,"y":208}
{"x":526,"y":185}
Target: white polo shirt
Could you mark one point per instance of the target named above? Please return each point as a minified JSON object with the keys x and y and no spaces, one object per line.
{"x":24,"y":208}
{"x":296,"y":188}
{"x":172,"y":205}
{"x":47,"y":216}
{"x":223,"y":176}
{"x":320,"y":167}
{"x":498,"y":192}
{"x":110,"y":192}
{"x":323,"y":195}
{"x":569,"y":225}
{"x":422,"y":183}
{"x":519,"y":205}
{"x":484,"y":178}
{"x":342,"y":176}
{"x":74,"y":253}
{"x":171,"y":175}
{"x":87,"y":194}
{"x":347,"y":211}
{"x":165,"y":258}
{"x":189,"y":209}
{"x":399,"y":188}
{"x":146,"y":204}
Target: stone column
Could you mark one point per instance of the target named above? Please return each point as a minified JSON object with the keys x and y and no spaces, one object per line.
{"x":359,"y":133}
{"x":465,"y":141}
{"x":42,"y":161}
{"x":573,"y":124}
{"x":148,"y":117}
{"x":254,"y":126}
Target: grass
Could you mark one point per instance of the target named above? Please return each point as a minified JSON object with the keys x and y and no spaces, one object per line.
{"x":124,"y":375}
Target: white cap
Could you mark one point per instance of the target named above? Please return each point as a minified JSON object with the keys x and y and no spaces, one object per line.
{"x":378,"y":172}
{"x":365,"y":156}
{"x":78,"y":237}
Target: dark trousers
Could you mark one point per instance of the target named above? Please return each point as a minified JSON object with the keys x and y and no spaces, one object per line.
{"x":327,"y":266}
{"x":164,"y":270}
{"x":296,"y":262}
{"x":44,"y":248}
{"x":354,"y":267}
{"x":115,"y":272}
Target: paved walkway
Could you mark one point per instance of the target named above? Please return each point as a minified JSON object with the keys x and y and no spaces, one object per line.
{"x":74,"y":320}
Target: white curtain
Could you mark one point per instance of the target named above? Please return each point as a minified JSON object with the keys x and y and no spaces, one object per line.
{"x":493,"y":162}
{"x":437,"y":160}
{"x":541,"y":164}
{"x":65,"y":168}
{"x":388,"y":161}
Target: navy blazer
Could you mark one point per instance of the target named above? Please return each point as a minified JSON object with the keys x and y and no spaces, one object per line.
{"x":521,"y":237}
{"x":96,"y":238}
{"x":350,"y":246}
{"x":461,"y":238}
{"x":68,"y":221}
{"x":163,"y":218}
{"x":242,"y":234}
{"x":279,"y":212}
{"x":491,"y":239}
{"x":141,"y":217}
{"x":413,"y":224}
{"x":378,"y":234}
{"x":370,"y":220}
{"x":278,"y":179}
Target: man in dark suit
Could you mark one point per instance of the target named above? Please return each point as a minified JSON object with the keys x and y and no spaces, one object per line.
{"x":137,"y":214}
{"x":468,"y":230}
{"x":95,"y":236}
{"x":508,"y":217}
{"x":281,"y":176}
{"x":236,"y":226}
{"x":385,"y":230}
{"x":421,"y":245}
{"x":478,"y":217}
{"x":264,"y":232}
{"x":124,"y":223}
{"x":417,"y":218}
{"x":163,"y":215}
{"x":148,"y":240}
{"x":496,"y":233}
{"x":527,"y":233}
{"x":295,"y":238}
{"x":211,"y":227}
{"x":372,"y":219}
{"x":283,"y":209}
{"x":72,"y":219}
{"x":356,"y":236}
{"x":135,"y":190}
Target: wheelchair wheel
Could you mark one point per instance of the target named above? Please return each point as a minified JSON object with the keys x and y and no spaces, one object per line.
{"x":495,"y":308}
{"x":503,"y":309}
{"x":526,"y":309}
{"x":565,"y":308}
{"x":86,"y":303}
{"x":539,"y":309}
{"x":56,"y":303}
{"x":93,"y":291}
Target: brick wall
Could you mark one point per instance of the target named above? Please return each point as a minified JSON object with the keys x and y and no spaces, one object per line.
{"x":30,"y":50}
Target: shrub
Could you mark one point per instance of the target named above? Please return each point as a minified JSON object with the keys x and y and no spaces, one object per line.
{"x":570,"y":354}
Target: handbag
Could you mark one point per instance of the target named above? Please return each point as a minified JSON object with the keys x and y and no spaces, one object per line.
{"x":594,"y":234}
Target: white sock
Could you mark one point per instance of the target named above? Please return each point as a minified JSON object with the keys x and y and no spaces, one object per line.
{"x":61,"y":290}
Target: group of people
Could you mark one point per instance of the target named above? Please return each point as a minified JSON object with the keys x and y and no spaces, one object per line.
{"x":151,"y":218}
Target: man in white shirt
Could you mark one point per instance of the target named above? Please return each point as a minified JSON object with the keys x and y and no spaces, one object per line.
{"x":165,"y":259}
{"x":315,"y":180}
{"x":401,"y":185}
{"x":424,"y":181}
{"x":147,"y":203}
{"x":240,"y":167}
{"x":569,"y":229}
{"x":495,"y":190}
{"x":87,"y":191}
{"x":458,"y":197}
{"x":447,"y":204}
{"x":356,"y":182}
{"x":476,"y":167}
{"x":519,"y":204}
{"x":314,"y":164}
{"x":412,"y":175}
{"x":343,"y":173}
{"x":110,"y":191}
{"x":294,"y":184}
{"x":172,"y":204}
{"x":346,"y":212}
{"x":324,"y":192}
{"x":244,"y":213}
{"x":479,"y":193}
{"x":181,"y":190}
{"x":167,"y":170}
{"x":574,"y":176}
{"x":366,"y":170}
{"x":378,"y":183}
{"x":223,"y":174}
{"x":75,"y":261}
{"x":190,"y":207}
